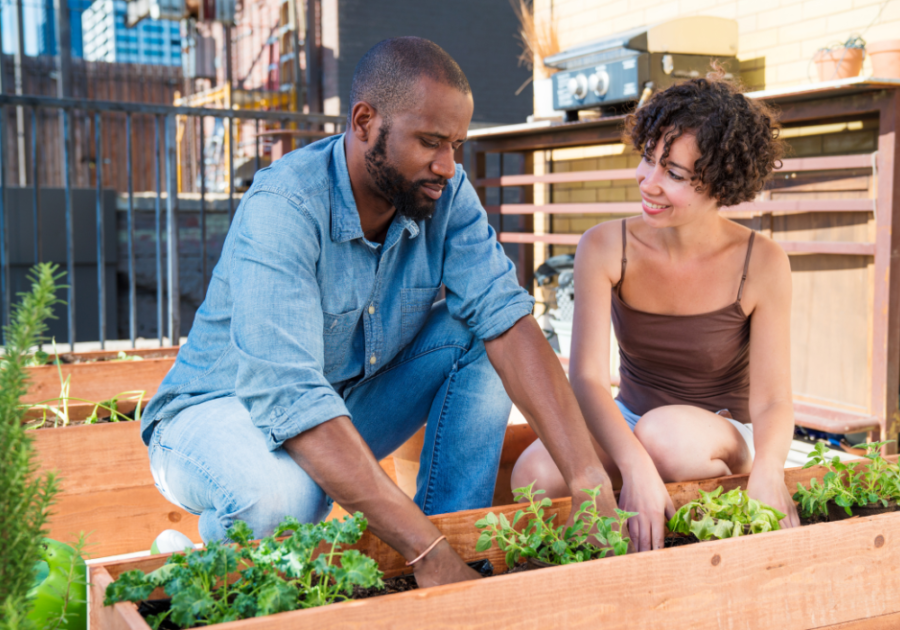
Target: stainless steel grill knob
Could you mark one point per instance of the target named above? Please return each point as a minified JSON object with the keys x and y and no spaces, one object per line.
{"x":578,"y":86}
{"x":599,"y":82}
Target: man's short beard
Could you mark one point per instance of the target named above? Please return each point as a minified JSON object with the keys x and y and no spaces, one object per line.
{"x":403,"y":194}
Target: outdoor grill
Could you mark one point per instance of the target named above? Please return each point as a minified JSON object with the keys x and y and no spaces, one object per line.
{"x":627,"y":67}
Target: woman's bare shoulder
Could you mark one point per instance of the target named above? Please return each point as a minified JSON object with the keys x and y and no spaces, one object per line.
{"x":768,"y":260}
{"x":601,"y":247}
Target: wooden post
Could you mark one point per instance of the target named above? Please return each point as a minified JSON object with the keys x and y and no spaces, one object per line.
{"x":526,"y":250}
{"x":886,"y":327}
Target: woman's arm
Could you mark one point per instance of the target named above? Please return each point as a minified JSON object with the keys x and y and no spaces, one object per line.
{"x":597,"y":269}
{"x":771,"y":406}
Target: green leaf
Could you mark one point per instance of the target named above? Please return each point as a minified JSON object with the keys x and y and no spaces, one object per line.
{"x":132,"y":586}
{"x":275,"y":597}
{"x":491,"y":518}
{"x":484,"y":542}
{"x":190,"y":606}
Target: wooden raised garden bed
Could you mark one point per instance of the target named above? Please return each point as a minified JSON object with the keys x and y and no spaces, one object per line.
{"x":829,"y":575}
{"x":96,"y":377}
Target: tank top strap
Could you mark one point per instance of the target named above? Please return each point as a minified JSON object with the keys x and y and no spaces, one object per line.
{"x":746,"y":265}
{"x":624,"y":260}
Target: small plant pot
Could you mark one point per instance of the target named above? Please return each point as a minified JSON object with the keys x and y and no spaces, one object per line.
{"x":885,"y":59}
{"x":839,"y":63}
{"x":837,"y":513}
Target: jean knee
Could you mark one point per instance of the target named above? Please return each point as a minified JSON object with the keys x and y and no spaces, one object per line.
{"x":265,"y":506}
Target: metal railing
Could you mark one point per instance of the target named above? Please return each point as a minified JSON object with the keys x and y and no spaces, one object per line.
{"x":164,"y":151}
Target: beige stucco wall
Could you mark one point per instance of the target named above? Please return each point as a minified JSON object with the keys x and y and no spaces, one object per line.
{"x":777,"y":38}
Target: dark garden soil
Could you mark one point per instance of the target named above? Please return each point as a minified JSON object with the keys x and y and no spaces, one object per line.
{"x":814,"y":519}
{"x":679,"y":540}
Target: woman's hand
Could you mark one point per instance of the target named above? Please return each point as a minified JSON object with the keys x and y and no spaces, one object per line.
{"x":644,"y":492}
{"x":766,"y":485}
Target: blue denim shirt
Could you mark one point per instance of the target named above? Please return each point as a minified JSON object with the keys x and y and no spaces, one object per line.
{"x":301,"y":307}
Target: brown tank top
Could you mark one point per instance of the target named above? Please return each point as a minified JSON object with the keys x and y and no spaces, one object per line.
{"x":701,"y":360}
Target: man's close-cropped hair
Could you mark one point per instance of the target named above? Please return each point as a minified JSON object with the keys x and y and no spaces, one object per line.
{"x":386,"y":75}
{"x":737,"y":138}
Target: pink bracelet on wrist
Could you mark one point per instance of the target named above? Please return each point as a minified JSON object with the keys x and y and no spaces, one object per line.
{"x":425,"y":553}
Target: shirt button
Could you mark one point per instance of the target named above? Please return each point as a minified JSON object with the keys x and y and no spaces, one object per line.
{"x":372,"y":359}
{"x":371,"y":310}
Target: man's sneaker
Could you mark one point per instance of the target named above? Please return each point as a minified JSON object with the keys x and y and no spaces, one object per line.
{"x":171,"y":541}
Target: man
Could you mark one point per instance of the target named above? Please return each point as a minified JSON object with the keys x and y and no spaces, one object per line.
{"x":319,"y":348}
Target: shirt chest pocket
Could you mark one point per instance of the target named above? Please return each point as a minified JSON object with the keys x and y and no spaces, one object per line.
{"x":337,"y":330}
{"x":415,"y":305}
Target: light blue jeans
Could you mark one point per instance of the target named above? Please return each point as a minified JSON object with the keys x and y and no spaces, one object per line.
{"x":213,"y":461}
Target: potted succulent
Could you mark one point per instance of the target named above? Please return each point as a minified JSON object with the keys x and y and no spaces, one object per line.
{"x":541,"y":543}
{"x":885,"y":58}
{"x":841,"y":61}
{"x":851,"y":488}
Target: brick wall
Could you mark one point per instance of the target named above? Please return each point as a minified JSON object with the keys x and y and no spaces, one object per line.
{"x":777,"y":38}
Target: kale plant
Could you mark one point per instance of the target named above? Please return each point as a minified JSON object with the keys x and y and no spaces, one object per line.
{"x":275,"y":575}
{"x":543,"y":541}
{"x":25,"y":494}
{"x":849,"y":484}
{"x":717,"y":515}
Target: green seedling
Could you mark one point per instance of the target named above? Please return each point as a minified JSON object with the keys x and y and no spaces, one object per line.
{"x":717,"y":515}
{"x":849,"y":484}
{"x":56,"y":410}
{"x":590,"y":536}
{"x":278,"y":573}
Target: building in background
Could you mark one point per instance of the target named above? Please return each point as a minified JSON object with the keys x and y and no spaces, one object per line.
{"x":481,"y":35}
{"x":154,"y":42}
{"x":47,"y":27}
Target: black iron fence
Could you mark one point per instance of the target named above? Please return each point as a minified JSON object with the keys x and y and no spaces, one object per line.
{"x":31,"y":214}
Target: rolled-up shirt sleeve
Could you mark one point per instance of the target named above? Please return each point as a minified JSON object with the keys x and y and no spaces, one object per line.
{"x":482,"y":288}
{"x":277,"y":319}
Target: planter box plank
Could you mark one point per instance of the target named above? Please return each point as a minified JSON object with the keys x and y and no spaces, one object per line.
{"x":805,"y":578}
{"x":97,"y":382}
{"x":890,"y":621}
{"x":107,"y":490}
{"x":107,"y":355}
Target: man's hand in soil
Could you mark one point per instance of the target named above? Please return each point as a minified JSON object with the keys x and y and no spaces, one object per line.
{"x":341,"y":463}
{"x":442,"y":565}
{"x":606,"y":506}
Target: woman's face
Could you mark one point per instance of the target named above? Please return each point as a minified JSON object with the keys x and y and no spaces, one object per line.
{"x":668,"y":196}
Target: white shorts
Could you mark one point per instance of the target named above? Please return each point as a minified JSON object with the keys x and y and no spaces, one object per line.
{"x":746,"y":430}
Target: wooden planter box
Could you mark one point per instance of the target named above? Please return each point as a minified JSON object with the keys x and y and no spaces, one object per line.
{"x":831,"y":575}
{"x":95,"y":378}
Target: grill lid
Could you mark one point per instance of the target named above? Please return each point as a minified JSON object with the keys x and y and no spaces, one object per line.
{"x":694,"y":35}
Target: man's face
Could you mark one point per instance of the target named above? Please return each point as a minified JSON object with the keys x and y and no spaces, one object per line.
{"x":412,"y":156}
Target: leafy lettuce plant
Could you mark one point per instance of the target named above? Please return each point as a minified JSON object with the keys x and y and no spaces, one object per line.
{"x":849,"y":484}
{"x":274,"y":575}
{"x":559,"y":544}
{"x":717,"y":515}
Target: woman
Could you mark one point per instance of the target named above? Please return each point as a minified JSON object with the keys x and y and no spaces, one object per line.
{"x":701,"y":309}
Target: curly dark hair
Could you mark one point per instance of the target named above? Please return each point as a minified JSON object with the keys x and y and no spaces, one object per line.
{"x":737,"y":137}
